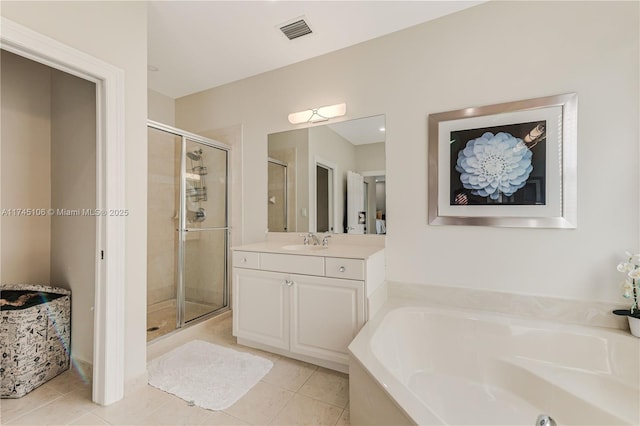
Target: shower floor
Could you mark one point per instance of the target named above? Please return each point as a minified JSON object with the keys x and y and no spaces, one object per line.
{"x":161,"y":317}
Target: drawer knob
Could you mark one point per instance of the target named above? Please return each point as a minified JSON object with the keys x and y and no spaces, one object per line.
{"x":342,"y":269}
{"x":244,"y":260}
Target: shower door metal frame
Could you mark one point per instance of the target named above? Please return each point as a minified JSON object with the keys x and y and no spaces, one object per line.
{"x":182,"y":218}
{"x":285,"y":167}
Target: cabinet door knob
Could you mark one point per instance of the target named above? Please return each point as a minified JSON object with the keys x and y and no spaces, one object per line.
{"x":289,"y":283}
{"x":342,"y":269}
{"x":244,"y":260}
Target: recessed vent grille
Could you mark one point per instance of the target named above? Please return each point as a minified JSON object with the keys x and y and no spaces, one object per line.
{"x":296,"y":29}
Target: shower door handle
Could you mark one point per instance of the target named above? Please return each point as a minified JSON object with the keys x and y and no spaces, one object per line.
{"x":200,"y":215}
{"x":213,"y":228}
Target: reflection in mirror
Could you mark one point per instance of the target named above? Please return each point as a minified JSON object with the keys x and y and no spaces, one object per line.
{"x":328,"y":178}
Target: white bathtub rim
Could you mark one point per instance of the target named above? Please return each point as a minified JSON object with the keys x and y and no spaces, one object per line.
{"x":397,"y":303}
{"x":402,"y":397}
{"x":360,"y":349}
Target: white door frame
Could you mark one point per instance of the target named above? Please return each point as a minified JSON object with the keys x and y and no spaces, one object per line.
{"x":108,"y":341}
{"x":355,"y":196}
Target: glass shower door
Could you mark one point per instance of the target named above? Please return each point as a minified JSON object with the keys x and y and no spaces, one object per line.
{"x":162,"y":241}
{"x":204,"y":230}
{"x":188,"y":232}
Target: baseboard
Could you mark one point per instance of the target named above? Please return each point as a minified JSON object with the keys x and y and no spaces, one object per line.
{"x":83,"y":368}
{"x":332,"y":365}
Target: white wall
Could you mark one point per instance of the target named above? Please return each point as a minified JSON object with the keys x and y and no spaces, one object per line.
{"x":73,"y":187}
{"x":370,"y":157}
{"x":495,"y":52}
{"x":26,"y":170}
{"x":161,"y":108}
{"x":115,"y":32}
{"x":49,"y":161}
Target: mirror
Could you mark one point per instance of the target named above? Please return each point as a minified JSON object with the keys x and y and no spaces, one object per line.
{"x":328,"y":178}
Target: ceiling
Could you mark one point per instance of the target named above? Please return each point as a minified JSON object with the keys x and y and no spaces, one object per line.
{"x":361,"y":131}
{"x":197,"y":45}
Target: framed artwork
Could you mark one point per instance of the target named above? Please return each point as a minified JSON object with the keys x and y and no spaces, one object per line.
{"x":511,"y":164}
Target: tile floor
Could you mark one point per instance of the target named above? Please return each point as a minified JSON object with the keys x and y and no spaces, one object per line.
{"x":161,"y":317}
{"x":292,"y":393}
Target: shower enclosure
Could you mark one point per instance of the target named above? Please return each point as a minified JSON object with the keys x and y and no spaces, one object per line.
{"x":187,"y":228}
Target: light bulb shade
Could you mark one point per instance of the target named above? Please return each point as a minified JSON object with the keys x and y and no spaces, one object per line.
{"x":300,"y":117}
{"x":319,"y":114}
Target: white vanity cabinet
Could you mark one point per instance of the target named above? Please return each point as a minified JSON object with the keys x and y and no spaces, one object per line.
{"x":326,"y":314}
{"x":261,"y":307}
{"x":307,"y":307}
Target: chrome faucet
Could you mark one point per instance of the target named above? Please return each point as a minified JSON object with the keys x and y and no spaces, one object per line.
{"x":545,"y":420}
{"x":325,"y":240}
{"x":310,"y":237}
{"x":314,"y":238}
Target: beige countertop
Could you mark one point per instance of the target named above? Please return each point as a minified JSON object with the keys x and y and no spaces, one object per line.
{"x":341,"y":247}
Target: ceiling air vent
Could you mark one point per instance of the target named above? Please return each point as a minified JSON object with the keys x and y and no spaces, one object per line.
{"x":296,"y":29}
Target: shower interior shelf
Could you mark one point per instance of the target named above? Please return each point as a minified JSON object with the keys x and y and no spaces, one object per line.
{"x":197,"y":190}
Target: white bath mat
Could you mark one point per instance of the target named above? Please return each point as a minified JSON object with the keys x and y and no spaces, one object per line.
{"x":207,"y":375}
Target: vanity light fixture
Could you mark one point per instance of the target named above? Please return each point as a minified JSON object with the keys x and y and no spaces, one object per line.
{"x":318,"y":114}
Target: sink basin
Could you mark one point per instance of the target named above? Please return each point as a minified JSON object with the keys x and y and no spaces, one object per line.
{"x":302,"y":247}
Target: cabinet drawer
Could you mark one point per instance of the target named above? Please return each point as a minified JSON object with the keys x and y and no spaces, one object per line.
{"x":293,"y":263}
{"x":351,"y":269}
{"x":246,"y":259}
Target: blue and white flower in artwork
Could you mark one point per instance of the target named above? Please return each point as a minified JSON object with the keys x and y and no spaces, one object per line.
{"x":494,"y":164}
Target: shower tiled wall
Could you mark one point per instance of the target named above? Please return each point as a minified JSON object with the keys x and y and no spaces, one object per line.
{"x":163,"y":165}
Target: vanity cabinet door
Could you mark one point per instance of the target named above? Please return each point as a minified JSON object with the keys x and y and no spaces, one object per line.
{"x":261,"y":307}
{"x":327,"y":313}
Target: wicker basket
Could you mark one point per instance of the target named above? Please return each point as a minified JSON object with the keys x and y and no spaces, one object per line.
{"x":35,"y":339}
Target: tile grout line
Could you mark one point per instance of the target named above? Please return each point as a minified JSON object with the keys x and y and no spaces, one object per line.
{"x":340,"y":416}
{"x":88,"y":412}
{"x":275,"y":416}
{"x":293,"y":393}
{"x":148,"y":412}
{"x":297,"y":392}
{"x":319,"y":400}
{"x":224,"y":412}
{"x":37,"y":407}
{"x":84,"y":413}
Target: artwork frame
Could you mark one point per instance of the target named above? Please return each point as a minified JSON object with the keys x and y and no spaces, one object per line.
{"x":511,"y":164}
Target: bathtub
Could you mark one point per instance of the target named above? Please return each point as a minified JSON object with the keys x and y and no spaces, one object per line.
{"x":434,"y":366}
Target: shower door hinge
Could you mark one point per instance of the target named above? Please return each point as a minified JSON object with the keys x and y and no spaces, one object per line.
{"x":101,"y":254}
